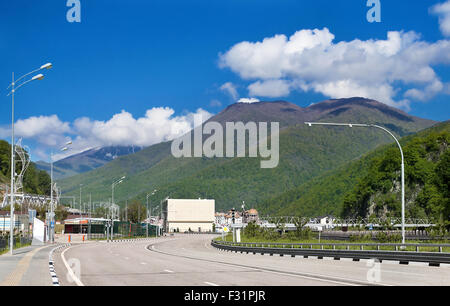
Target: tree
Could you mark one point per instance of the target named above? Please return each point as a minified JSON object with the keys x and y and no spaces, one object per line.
{"x":136,"y":211}
{"x":61,"y":213}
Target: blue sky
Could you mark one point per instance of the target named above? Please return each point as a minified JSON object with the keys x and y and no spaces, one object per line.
{"x":170,"y":57}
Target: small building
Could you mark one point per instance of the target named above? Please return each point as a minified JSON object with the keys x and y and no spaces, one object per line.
{"x":184,"y":215}
{"x":251,"y":215}
{"x":84,"y":225}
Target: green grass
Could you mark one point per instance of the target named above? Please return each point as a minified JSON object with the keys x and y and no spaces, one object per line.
{"x":17,"y":246}
{"x":339,"y":245}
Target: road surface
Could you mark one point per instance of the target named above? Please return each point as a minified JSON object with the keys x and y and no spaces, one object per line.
{"x":27,"y":267}
{"x":190,"y":260}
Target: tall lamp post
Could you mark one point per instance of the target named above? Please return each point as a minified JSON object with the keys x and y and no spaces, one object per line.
{"x":51,"y":225}
{"x":351,"y":125}
{"x":114,"y":184}
{"x":12,"y":92}
{"x":81,"y":225}
{"x":149,"y":215}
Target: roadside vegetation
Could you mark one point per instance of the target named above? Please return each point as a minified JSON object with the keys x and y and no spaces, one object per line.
{"x":370,"y":186}
{"x":254,"y":233}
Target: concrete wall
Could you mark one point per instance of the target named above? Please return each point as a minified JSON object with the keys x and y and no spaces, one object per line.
{"x":189,"y":213}
{"x":185,"y":226}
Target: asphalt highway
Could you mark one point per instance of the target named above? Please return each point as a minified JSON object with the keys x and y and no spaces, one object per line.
{"x":190,"y":260}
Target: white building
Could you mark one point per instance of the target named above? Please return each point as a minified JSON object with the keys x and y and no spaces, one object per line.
{"x":183,"y":215}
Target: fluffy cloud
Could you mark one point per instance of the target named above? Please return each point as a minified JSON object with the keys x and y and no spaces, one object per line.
{"x":269,"y":88}
{"x":159,"y":124}
{"x":248,"y":100}
{"x":310,"y":60}
{"x":48,"y":130}
{"x":443,"y":11}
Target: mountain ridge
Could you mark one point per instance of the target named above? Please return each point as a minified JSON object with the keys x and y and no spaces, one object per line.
{"x":305,"y":153}
{"x":86,"y":160}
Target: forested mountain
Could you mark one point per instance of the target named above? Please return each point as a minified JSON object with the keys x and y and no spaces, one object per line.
{"x":370,"y":186}
{"x":35,"y":181}
{"x":305,"y":153}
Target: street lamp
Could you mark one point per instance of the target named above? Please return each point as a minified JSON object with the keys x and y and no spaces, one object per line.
{"x":114,"y":184}
{"x":50,"y":226}
{"x":148,"y":217}
{"x":351,"y":125}
{"x":12,"y":92}
{"x":81,"y":226}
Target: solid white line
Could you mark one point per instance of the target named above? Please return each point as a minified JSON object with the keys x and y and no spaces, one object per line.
{"x":168,"y":271}
{"x":74,"y":277}
{"x":338,"y":280}
{"x":211,"y":284}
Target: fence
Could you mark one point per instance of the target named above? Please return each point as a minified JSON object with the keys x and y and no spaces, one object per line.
{"x":18,"y":242}
{"x":122,"y":230}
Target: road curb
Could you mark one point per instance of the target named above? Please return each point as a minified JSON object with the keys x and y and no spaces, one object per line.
{"x":51,"y":266}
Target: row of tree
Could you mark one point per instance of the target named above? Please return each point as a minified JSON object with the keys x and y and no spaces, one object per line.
{"x":135,"y":212}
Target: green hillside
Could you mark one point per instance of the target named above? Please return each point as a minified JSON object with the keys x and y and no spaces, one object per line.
{"x":369,"y":186}
{"x":304,"y":154}
{"x":35,"y":181}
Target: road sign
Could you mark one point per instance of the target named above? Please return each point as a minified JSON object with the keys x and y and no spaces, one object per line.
{"x":52,"y":224}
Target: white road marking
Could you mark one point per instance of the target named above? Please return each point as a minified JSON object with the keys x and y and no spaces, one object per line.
{"x":211,"y":284}
{"x":339,"y":280}
{"x":168,"y":271}
{"x":127,"y":258}
{"x":72,"y":275}
{"x":143,"y":263}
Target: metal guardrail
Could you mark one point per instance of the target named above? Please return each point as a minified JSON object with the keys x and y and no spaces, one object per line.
{"x":344,"y":250}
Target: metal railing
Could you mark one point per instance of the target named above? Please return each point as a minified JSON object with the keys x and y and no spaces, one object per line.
{"x":415,"y":247}
{"x":434,"y":254}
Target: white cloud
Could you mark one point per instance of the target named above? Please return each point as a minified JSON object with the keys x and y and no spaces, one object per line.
{"x":230,"y":89}
{"x":347,"y":88}
{"x":248,"y":100}
{"x":47,"y":130}
{"x":443,"y":11}
{"x":269,"y":88}
{"x":159,"y":124}
{"x":391,"y":70}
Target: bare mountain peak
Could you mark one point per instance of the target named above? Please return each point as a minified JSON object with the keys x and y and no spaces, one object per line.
{"x":287,"y":113}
